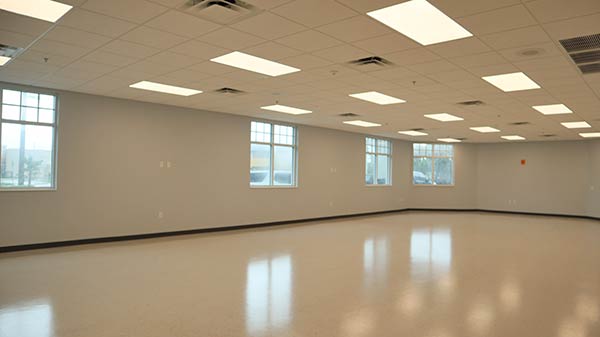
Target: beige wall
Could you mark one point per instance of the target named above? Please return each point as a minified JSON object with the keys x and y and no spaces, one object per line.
{"x":110,"y":182}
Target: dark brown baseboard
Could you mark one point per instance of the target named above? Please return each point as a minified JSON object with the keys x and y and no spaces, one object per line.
{"x":77,"y":242}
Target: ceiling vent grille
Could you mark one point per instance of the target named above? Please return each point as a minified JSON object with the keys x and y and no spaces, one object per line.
{"x":9,"y":51}
{"x":371,"y":60}
{"x":590,"y":68}
{"x":220,"y":11}
{"x":547,"y":135}
{"x":229,"y":91}
{"x":581,"y":43}
{"x":520,"y":123}
{"x":471,"y":103}
{"x":586,"y":57}
{"x":462,"y":138}
{"x":348,"y":114}
{"x":585,"y":52}
{"x":417,"y":129}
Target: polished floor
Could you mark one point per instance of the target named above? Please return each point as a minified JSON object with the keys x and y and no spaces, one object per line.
{"x":419,"y":274}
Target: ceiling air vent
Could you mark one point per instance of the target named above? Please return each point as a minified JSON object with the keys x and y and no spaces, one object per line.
{"x":470,"y":103}
{"x":590,"y":68}
{"x":585,"y":52}
{"x":461,"y":138}
{"x":417,"y":129}
{"x":371,"y":60}
{"x":9,"y":51}
{"x":581,"y":43}
{"x":348,"y":114}
{"x":229,"y":91}
{"x":547,"y":135}
{"x":519,"y":123}
{"x":220,"y":11}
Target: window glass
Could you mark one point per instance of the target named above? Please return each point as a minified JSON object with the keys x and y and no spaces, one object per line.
{"x":433,"y":164}
{"x":27,"y":141}
{"x":378,"y":161}
{"x":273,"y":155}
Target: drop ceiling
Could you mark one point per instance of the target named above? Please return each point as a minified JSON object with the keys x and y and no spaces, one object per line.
{"x":103,"y":46}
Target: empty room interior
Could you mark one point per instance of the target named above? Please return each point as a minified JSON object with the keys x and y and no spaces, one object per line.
{"x":300,"y":168}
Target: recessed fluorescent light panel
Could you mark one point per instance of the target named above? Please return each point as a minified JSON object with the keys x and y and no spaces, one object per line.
{"x":444,"y":117}
{"x":286,"y":109}
{"x":553,"y":109}
{"x":377,"y":97}
{"x":413,"y":133}
{"x":4,"y":60}
{"x":512,"y":82}
{"x":484,"y":129}
{"x":449,"y":140}
{"x":362,"y":124}
{"x":590,"y":135}
{"x":164,"y":88}
{"x":420,"y":21}
{"x":576,"y":125}
{"x":256,"y":64}
{"x":513,"y":137}
{"x":46,"y":10}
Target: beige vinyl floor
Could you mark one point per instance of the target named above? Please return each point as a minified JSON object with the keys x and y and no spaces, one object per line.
{"x":418,"y":274}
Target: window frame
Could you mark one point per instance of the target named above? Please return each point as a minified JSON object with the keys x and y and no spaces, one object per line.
{"x":376,"y":154}
{"x":433,"y":157}
{"x":272,"y":145}
{"x":55,"y":126}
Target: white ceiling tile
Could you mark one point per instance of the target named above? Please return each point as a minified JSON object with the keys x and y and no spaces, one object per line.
{"x":309,"y":40}
{"x":76,"y":37}
{"x":22,"y":24}
{"x":272,"y":51}
{"x":59,"y":48}
{"x":341,"y":54}
{"x":212,"y":68}
{"x":412,"y":56}
{"x":15,"y":39}
{"x":129,"y":49}
{"x":313,"y":13}
{"x":363,"y":6}
{"x":187,"y":75}
{"x":153,"y":38}
{"x":182,"y":24}
{"x":95,"y":23}
{"x":498,"y":20}
{"x":385,"y":44}
{"x":199,"y":50}
{"x":478,"y":60}
{"x":460,"y":47}
{"x":516,"y":38}
{"x":44,"y":58}
{"x":355,"y":29}
{"x":268,"y":26}
{"x":305,"y":61}
{"x":460,"y":8}
{"x":585,"y":25}
{"x":231,"y":39}
{"x":137,"y":11}
{"x":109,"y":58}
{"x":432,"y":67}
{"x":173,"y":59}
{"x":545,"y":50}
{"x":555,"y":10}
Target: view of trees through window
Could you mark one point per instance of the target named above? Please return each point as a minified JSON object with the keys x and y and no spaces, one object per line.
{"x":27,"y":140}
{"x":272,"y":154}
{"x":433,"y":164}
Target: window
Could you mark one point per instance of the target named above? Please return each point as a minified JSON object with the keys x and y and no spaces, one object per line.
{"x":433,"y":164}
{"x":272,"y":155}
{"x":378,"y":162}
{"x":27,"y":140}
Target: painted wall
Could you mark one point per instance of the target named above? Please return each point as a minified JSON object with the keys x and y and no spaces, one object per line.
{"x":556,"y":178}
{"x":110,"y":182}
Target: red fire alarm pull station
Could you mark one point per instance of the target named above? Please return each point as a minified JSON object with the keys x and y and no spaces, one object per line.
{"x":523,"y":161}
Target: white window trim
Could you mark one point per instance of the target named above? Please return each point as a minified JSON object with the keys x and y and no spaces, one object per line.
{"x":272,"y":155}
{"x":376,"y":162}
{"x":54,"y":186}
{"x":433,"y":156}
